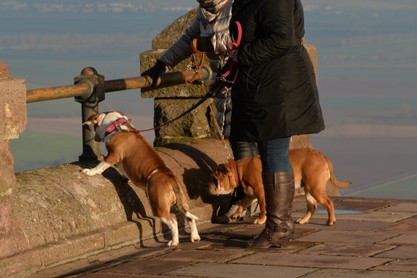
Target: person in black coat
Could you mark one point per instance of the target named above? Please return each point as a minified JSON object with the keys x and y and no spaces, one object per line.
{"x":274,"y":97}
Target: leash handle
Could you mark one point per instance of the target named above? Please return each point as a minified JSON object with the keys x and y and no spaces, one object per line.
{"x":195,"y":64}
{"x":236,"y":35}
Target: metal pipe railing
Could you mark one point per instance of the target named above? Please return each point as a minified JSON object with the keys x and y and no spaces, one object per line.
{"x":51,"y":93}
{"x":85,"y":88}
{"x":90,"y":87}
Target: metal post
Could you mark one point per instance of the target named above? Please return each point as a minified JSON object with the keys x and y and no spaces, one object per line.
{"x":89,"y":107}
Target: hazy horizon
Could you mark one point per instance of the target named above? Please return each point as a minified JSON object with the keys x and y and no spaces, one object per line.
{"x":366,"y":73}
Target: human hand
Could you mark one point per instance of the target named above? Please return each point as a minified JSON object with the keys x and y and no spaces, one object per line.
{"x":155,"y":72}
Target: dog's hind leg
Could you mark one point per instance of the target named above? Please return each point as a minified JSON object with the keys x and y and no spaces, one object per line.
{"x":328,"y":204}
{"x":195,"y":237}
{"x":311,"y":208}
{"x":173,"y":227}
{"x":320,"y":194}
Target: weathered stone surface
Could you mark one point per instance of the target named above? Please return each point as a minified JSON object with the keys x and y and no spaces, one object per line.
{"x":12,"y":108}
{"x":12,"y":238}
{"x":197,"y":124}
{"x":7,"y":177}
{"x":12,"y":124}
{"x":171,"y":33}
{"x":56,"y":203}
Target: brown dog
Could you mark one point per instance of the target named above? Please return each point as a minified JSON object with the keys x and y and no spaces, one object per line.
{"x":312,"y":171}
{"x":137,"y":160}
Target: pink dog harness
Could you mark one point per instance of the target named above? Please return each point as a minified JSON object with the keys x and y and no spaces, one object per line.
{"x":115,"y":126}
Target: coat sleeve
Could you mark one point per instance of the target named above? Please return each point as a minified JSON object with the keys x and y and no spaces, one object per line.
{"x":181,"y":49}
{"x":274,"y":33}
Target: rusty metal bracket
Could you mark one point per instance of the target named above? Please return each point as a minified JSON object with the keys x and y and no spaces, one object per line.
{"x":95,"y":82}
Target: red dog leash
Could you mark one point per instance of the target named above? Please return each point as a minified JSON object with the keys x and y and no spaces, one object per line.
{"x":228,"y":73}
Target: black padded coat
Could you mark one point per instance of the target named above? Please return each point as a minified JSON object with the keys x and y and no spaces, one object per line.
{"x":275,"y":94}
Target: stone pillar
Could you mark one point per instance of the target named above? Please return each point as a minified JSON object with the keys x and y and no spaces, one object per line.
{"x":174,"y":100}
{"x":12,"y":124}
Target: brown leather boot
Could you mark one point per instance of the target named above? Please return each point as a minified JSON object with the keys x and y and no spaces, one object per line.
{"x":279,"y":193}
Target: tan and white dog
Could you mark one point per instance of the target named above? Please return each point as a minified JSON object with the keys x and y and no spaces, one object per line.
{"x":312,"y":170}
{"x":138,"y":160}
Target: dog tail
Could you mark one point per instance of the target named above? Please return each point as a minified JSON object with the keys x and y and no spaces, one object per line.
{"x":333,"y":179}
{"x":180,"y":203}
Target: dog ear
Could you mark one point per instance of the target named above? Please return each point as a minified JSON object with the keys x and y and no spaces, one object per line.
{"x":126,"y":118}
{"x":92,"y":120}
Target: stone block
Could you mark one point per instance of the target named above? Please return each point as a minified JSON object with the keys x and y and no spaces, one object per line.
{"x":13,"y":121}
{"x":70,"y":249}
{"x":122,"y":234}
{"x":12,"y":105}
{"x":20,"y":265}
{"x":12,"y":238}
{"x":7,"y":176}
{"x":61,"y":202}
{"x":171,"y":33}
{"x":197,"y":124}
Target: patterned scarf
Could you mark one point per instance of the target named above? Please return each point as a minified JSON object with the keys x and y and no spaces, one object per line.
{"x":211,"y":8}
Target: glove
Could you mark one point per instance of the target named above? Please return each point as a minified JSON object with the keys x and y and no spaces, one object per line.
{"x":155,"y":72}
{"x":204,"y":44}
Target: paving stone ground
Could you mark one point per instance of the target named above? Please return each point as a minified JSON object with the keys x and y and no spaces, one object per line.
{"x":372,"y":238}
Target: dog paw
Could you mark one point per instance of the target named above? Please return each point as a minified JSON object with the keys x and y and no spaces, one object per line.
{"x":89,"y":172}
{"x":259,"y":221}
{"x":301,"y":221}
{"x":195,"y":239}
{"x":172,"y":243}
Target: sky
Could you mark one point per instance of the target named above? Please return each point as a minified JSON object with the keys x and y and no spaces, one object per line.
{"x":366,"y":69}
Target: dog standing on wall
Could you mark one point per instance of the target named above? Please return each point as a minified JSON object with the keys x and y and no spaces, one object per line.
{"x":137,"y":159}
{"x":312,"y":170}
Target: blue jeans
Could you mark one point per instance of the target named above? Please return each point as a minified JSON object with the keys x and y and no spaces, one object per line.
{"x":274,"y":153}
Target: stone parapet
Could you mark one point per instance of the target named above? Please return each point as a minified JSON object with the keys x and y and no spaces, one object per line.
{"x":58,"y":214}
{"x":13,"y":122}
{"x":173,"y":101}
